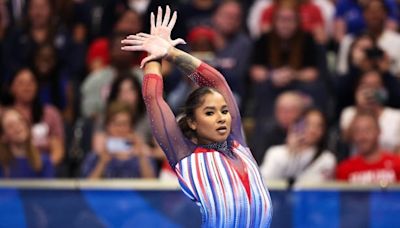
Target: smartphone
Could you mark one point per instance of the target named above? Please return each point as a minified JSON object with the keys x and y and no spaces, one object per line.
{"x":40,"y":132}
{"x":118,"y":145}
{"x":381,"y":96}
{"x":374,"y":53}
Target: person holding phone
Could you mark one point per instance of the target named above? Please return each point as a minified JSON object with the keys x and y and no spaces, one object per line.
{"x":371,"y":95}
{"x":304,"y":156}
{"x":206,"y":148}
{"x":45,"y":120}
{"x":365,"y":55}
{"x":123,"y":153}
{"x":19,"y":158}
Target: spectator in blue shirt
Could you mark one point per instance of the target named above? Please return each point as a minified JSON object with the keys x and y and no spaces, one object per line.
{"x":349,"y":17}
{"x":18,"y":157}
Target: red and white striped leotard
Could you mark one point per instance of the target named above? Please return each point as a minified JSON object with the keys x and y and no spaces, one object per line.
{"x":227,"y":186}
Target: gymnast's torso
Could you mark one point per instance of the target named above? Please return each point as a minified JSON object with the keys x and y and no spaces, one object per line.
{"x":228,"y":195}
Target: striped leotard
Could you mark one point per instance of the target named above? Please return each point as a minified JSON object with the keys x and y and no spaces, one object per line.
{"x":225,"y":183}
{"x":226,"y":198}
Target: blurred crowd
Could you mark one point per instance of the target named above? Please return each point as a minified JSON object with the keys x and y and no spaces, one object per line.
{"x":317,"y":82}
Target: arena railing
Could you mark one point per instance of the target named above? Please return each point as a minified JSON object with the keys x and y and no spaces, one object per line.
{"x":153,"y":203}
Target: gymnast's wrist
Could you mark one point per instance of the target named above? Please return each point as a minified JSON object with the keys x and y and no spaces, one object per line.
{"x":172,"y":52}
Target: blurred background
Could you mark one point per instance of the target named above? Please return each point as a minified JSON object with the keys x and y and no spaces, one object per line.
{"x":317,"y":83}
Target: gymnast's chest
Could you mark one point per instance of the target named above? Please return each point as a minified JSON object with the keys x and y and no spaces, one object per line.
{"x":211,"y":174}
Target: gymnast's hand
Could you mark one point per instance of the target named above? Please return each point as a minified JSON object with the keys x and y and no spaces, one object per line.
{"x":163,"y":28}
{"x":155,"y":46}
{"x":159,"y":42}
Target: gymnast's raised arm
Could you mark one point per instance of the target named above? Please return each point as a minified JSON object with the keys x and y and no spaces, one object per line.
{"x":163,"y":123}
{"x":159,"y":45}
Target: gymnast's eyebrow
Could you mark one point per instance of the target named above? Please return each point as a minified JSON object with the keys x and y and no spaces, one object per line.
{"x":209,"y":107}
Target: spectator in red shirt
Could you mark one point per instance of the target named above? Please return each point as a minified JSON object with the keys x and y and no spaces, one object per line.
{"x":370,"y":164}
{"x":98,"y":56}
{"x":310,"y":17}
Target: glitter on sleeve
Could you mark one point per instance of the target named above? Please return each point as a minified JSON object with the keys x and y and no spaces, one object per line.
{"x":163,"y":124}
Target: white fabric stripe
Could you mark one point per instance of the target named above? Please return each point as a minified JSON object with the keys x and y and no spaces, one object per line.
{"x":207,"y":189}
{"x":185,"y":174}
{"x":183,"y":171}
{"x":228,"y":194}
{"x":195,"y":178}
{"x":218,"y":190}
{"x":188,"y":191}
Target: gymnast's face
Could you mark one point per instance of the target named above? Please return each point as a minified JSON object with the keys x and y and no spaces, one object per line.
{"x":212,"y":120}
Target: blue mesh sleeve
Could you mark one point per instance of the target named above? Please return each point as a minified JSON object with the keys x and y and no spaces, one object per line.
{"x":163,"y":124}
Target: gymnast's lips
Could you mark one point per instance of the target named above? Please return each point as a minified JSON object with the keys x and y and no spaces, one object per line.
{"x":222,"y":129}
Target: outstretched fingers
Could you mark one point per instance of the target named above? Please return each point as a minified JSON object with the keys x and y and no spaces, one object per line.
{"x":166,"y":16}
{"x":130,"y":37}
{"x":133,"y":48}
{"x":143,"y":35}
{"x":159,"y":17}
{"x":173,"y":20}
{"x":132,"y":42}
{"x":152,"y":23}
{"x":137,"y":37}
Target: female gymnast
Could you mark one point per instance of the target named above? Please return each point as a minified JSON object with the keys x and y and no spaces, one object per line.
{"x":206,"y":148}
